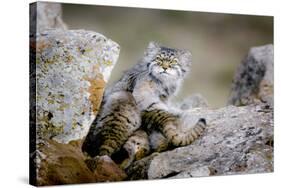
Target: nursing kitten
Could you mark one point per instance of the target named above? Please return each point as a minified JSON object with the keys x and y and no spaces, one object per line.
{"x":141,"y":100}
{"x":136,"y":147}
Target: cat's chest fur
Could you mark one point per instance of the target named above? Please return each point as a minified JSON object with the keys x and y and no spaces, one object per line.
{"x":148,"y":92}
{"x":166,"y":91}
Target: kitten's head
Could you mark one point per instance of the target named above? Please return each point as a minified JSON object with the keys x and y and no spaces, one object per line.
{"x":167,"y":63}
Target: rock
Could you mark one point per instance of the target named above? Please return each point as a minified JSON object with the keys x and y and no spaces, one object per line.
{"x":194,"y":101}
{"x":237,"y":140}
{"x":105,"y":168}
{"x":194,"y":172}
{"x":46,"y":15}
{"x":253,"y":80}
{"x":72,"y":68}
{"x":65,"y":164}
{"x":138,"y":170}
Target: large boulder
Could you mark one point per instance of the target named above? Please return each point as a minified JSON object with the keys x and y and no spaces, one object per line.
{"x":72,"y":69}
{"x":237,"y":140}
{"x":253,"y":80}
{"x":68,"y":73}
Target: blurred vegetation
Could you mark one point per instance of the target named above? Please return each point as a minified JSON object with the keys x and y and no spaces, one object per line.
{"x":218,"y":42}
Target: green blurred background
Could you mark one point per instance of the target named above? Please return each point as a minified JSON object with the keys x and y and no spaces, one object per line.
{"x":218,"y":42}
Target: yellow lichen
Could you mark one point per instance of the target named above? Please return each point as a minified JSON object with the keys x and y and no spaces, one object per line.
{"x":107,"y":63}
{"x":96,"y":90}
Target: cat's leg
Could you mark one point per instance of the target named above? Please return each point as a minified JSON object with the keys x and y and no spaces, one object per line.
{"x":157,"y":114}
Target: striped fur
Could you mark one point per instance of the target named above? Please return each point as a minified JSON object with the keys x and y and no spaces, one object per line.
{"x":118,"y":118}
{"x":169,"y":125}
{"x":141,"y":100}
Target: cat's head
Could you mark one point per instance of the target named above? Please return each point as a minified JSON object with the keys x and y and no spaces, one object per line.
{"x":167,"y":63}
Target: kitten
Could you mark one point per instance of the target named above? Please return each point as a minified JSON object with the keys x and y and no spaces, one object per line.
{"x":136,"y":147}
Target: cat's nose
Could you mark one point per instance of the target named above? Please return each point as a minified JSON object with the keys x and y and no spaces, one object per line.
{"x":165,"y":65}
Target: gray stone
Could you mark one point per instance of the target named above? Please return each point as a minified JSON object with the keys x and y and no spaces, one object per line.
{"x":72,"y":69}
{"x":237,"y":140}
{"x":194,"y":172}
{"x":253,"y":80}
{"x":46,"y":15}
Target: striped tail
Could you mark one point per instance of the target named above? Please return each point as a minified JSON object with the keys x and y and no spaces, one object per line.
{"x":179,"y":138}
{"x":168,"y":124}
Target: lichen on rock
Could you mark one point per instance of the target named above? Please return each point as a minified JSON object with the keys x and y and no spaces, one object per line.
{"x":72,"y":68}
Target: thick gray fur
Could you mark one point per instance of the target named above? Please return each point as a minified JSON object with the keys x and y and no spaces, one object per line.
{"x":152,"y":86}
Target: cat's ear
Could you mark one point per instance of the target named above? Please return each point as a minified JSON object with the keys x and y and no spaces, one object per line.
{"x":153,"y":45}
{"x":185,"y":53}
{"x":151,"y":50}
{"x":185,"y":57}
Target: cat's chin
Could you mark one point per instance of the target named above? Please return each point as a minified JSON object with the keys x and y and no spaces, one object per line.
{"x":167,"y":77}
{"x":164,"y":73}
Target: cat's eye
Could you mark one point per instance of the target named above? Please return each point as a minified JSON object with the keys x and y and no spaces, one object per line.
{"x":159,"y":63}
{"x":174,"y":62}
{"x":158,"y":58}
